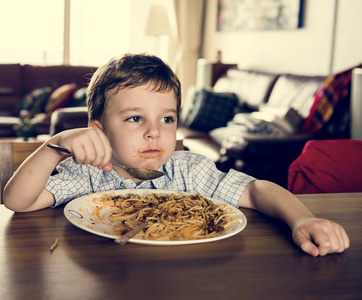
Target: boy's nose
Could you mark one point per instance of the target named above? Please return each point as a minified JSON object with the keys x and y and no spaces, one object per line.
{"x":152,"y":132}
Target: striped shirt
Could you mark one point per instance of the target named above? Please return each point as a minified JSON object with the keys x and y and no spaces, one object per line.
{"x":185,"y":171}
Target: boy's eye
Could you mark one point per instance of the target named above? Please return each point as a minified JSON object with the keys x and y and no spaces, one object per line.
{"x":168,"y":119}
{"x":134,"y":119}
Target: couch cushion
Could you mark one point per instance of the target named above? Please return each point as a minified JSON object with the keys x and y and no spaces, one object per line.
{"x":79,"y":98}
{"x":55,"y":76}
{"x":294,"y":91}
{"x":10,"y":88}
{"x":35,"y":101}
{"x":252,"y":88}
{"x":60,"y":97}
{"x":209,"y":110}
{"x":68,"y":118}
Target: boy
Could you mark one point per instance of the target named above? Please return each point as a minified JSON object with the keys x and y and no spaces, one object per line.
{"x":134,"y":107}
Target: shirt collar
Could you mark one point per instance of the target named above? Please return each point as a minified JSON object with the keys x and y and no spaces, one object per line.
{"x":129,"y":184}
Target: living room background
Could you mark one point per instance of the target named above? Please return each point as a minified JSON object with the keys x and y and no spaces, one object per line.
{"x":327,"y":42}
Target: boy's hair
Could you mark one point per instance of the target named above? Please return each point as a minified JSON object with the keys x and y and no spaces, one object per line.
{"x":130,"y":71}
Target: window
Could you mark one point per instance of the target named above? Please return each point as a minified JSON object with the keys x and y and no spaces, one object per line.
{"x":33,"y":32}
{"x":99,"y":30}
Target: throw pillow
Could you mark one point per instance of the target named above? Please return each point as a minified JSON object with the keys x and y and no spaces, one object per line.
{"x":336,"y":88}
{"x":209,"y":110}
{"x":35,"y":101}
{"x":60,"y":97}
{"x":79,"y":98}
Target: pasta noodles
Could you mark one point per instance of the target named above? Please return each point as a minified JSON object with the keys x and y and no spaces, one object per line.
{"x":54,"y":245}
{"x":169,"y":217}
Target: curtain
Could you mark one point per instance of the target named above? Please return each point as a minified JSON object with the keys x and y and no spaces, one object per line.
{"x":187,"y":27}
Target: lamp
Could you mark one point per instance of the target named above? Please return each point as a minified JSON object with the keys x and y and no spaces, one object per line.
{"x":157,"y":23}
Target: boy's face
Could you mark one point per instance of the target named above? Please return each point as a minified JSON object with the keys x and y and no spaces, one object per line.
{"x":141,"y":127}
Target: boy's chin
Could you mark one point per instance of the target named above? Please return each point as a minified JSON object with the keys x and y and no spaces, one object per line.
{"x":150,"y":166}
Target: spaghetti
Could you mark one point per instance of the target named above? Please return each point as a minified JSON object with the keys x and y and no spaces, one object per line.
{"x":169,"y":217}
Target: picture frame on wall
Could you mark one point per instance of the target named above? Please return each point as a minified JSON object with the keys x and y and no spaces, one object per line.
{"x":236,"y":15}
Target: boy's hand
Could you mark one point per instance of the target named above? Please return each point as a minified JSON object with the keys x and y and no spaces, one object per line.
{"x":319,"y":236}
{"x":88,"y":145}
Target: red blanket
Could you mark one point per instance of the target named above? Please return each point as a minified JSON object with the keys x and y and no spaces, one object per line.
{"x":329,"y":166}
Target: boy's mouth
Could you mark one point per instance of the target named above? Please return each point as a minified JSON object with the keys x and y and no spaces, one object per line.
{"x":150,"y":153}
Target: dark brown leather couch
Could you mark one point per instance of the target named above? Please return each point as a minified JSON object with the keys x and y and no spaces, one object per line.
{"x":17,"y":81}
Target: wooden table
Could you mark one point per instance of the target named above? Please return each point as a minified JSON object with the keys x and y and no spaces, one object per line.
{"x":261,"y":262}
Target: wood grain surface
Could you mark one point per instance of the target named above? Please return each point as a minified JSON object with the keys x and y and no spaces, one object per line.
{"x":261,"y":262}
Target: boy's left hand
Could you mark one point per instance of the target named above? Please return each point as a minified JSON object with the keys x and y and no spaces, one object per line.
{"x":319,"y":236}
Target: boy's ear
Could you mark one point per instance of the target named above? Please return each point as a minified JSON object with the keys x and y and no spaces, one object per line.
{"x":95,"y":123}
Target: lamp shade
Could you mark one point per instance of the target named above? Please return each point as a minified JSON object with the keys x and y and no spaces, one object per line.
{"x":157,"y":22}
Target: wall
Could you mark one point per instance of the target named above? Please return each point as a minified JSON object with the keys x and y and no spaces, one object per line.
{"x":313,"y":49}
{"x":348,"y":50}
{"x":139,"y":42}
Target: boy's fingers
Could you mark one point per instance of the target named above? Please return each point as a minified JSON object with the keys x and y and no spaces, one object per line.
{"x":93,"y":148}
{"x":314,"y":244}
{"x":333,"y":240}
{"x":320,"y":237}
{"x":305,"y":243}
{"x":100,"y":153}
{"x":324,"y":244}
{"x":345,"y":239}
{"x":107,"y":149}
{"x":107,"y":168}
{"x":339,"y":245}
{"x":308,"y":247}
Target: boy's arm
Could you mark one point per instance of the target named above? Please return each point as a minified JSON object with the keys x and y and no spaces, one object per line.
{"x":315,"y":236}
{"x":25,"y":191}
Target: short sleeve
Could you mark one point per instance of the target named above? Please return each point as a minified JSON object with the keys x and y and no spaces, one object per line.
{"x":71,"y":181}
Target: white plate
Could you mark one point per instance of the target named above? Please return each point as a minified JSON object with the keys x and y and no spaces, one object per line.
{"x":79,"y":212}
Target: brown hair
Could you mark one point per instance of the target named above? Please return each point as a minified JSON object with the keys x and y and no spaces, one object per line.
{"x":132,"y":70}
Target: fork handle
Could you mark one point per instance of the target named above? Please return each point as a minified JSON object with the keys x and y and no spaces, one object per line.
{"x":60,"y":149}
{"x":123,"y":239}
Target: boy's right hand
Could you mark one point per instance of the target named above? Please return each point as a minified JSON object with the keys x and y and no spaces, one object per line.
{"x":88,"y":145}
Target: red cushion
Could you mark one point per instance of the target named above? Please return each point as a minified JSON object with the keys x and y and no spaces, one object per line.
{"x":329,"y":166}
{"x":60,"y":97}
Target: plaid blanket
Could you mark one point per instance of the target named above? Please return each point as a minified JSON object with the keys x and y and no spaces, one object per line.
{"x":335,"y":88}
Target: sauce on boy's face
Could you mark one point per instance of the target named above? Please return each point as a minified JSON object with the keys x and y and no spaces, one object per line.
{"x":141,"y":127}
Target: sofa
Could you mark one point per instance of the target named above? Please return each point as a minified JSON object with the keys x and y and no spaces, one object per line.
{"x":258,"y":122}
{"x":29,"y":94}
